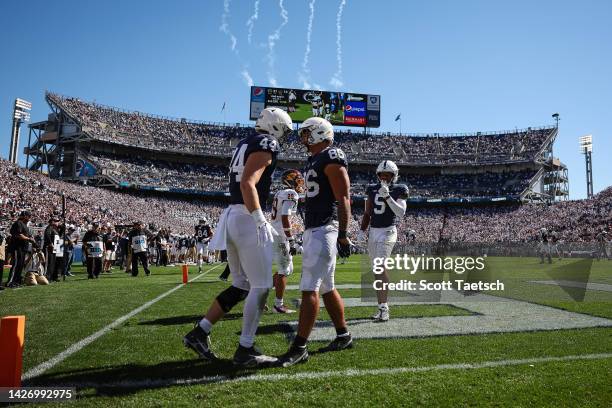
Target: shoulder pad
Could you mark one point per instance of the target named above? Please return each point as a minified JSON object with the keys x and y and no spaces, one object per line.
{"x":263,"y":143}
{"x":401,"y":190}
{"x":334,"y":155}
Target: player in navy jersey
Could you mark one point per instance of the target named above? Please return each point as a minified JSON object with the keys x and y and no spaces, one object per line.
{"x":203,"y":234}
{"x":327,"y":213}
{"x":385,"y":207}
{"x":247,"y":236}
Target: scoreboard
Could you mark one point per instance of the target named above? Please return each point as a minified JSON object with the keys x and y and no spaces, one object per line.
{"x":340,"y":108}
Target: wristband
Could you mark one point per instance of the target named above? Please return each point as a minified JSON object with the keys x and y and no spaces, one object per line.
{"x":341,"y":234}
{"x":258,"y":216}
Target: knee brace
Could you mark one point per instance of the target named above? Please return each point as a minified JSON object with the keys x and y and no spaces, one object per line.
{"x":230,"y":297}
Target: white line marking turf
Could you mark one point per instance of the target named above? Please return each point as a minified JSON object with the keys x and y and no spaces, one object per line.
{"x":76,"y":347}
{"x":351,"y":372}
{"x":604,"y":287}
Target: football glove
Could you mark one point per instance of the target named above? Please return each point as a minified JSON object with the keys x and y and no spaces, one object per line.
{"x":265,"y":232}
{"x":292,"y":247}
{"x":344,"y":250}
{"x":383,"y":191}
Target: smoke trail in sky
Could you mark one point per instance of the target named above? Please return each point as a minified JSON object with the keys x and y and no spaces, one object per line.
{"x":225,"y":25}
{"x":336,"y":80}
{"x":272,"y":40}
{"x":304,"y":76}
{"x":248,"y":80}
{"x":251,"y":21}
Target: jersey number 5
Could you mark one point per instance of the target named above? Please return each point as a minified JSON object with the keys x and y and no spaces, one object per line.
{"x":379,"y":205}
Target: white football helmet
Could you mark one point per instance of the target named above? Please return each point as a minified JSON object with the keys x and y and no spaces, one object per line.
{"x":275,"y":122}
{"x":319,"y":130}
{"x":387,"y":166}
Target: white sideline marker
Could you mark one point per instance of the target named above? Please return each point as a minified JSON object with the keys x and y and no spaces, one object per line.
{"x":42,"y":367}
{"x":351,"y":372}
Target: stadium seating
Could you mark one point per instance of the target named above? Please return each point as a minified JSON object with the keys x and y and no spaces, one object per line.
{"x":576,"y":221}
{"x":134,"y":129}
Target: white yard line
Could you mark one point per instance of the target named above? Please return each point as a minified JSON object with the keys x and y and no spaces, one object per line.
{"x":355,"y":372}
{"x":76,"y":347}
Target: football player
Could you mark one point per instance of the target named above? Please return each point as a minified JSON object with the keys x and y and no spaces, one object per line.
{"x":203,"y":234}
{"x":327,"y":214}
{"x":284,"y":206}
{"x":291,"y":101}
{"x":554,"y":244}
{"x":248,"y":239}
{"x":545,"y":247}
{"x":602,"y":244}
{"x":385,"y":208}
{"x":327,"y":112}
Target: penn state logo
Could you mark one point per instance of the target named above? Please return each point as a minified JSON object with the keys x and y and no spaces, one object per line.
{"x":373,"y":99}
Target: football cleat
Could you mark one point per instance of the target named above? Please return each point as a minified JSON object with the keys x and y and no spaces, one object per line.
{"x":338,"y":344}
{"x":199,"y":341}
{"x":293,"y":356}
{"x":251,"y":358}
{"x":382,"y":314}
{"x":282,"y":309}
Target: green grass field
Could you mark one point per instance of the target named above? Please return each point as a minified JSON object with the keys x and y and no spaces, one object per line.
{"x":142,"y":362}
{"x":303,"y":111}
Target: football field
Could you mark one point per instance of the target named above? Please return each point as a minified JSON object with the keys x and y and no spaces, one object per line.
{"x":118,"y":339}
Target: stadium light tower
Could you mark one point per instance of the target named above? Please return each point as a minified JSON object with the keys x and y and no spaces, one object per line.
{"x":556,"y":118}
{"x":21,"y":113}
{"x":586,"y":148}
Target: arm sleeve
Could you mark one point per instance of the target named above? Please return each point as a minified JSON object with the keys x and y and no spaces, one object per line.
{"x":398,"y":207}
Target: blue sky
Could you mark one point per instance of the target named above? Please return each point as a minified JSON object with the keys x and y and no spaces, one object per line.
{"x":447,"y":66}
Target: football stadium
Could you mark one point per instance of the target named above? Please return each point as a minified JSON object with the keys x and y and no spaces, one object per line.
{"x":299,"y":245}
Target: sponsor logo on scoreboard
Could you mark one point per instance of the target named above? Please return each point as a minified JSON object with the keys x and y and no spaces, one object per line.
{"x":355,"y":98}
{"x":258,"y":94}
{"x":355,"y":121}
{"x":355,"y":109}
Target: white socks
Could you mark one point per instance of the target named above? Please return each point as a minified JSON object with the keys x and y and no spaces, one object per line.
{"x":205,"y":325}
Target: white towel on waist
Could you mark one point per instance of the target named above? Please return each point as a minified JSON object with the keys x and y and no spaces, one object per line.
{"x":217,"y":242}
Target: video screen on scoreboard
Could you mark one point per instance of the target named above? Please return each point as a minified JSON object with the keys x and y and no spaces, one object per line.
{"x":340,"y":108}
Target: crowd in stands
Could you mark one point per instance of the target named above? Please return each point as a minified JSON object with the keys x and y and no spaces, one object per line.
{"x":208,"y":177}
{"x":151,"y":132}
{"x":487,"y":184}
{"x":158,"y":173}
{"x":22,"y":189}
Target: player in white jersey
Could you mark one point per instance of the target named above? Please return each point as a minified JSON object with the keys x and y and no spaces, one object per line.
{"x":284,"y":206}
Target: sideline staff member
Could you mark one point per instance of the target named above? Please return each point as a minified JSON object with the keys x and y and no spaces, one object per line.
{"x":94,"y":249}
{"x":23,"y":243}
